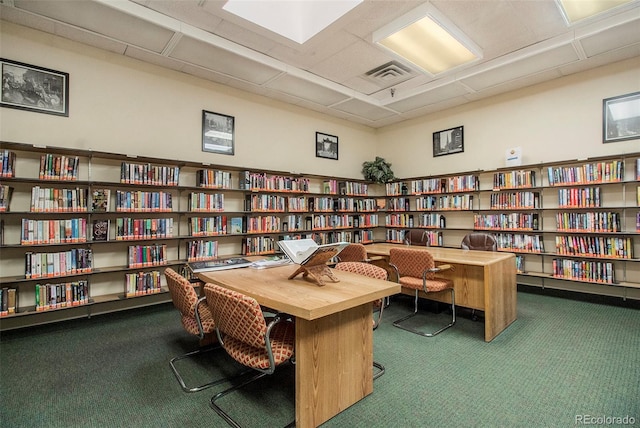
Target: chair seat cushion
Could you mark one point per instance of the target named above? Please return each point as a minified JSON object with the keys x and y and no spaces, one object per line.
{"x":433,"y":285}
{"x":282,"y":345}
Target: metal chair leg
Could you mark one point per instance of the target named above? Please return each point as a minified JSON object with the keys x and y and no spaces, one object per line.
{"x":380,"y":372}
{"x":398,"y":324}
{"x":184,"y":387}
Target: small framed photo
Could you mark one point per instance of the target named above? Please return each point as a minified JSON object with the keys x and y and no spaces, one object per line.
{"x":621,"y":118}
{"x":218,"y":133}
{"x":448,"y":141}
{"x":27,"y":87}
{"x":326,"y":146}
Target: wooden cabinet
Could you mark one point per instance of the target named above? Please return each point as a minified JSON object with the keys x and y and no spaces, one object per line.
{"x":95,"y":233}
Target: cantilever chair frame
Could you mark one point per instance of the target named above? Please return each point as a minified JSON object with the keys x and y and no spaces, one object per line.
{"x":201,"y":350}
{"x":276,"y":319}
{"x":398,"y":323}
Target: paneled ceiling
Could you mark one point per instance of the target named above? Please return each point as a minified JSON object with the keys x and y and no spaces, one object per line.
{"x":340,"y":71}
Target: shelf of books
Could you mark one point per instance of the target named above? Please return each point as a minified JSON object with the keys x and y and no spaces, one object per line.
{"x":573,"y":225}
{"x":92,"y":232}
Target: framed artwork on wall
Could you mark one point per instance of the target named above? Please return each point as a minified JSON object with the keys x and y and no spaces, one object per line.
{"x":621,"y":118}
{"x":218,"y":133}
{"x":448,"y":141}
{"x":326,"y":146}
{"x":32,"y":88}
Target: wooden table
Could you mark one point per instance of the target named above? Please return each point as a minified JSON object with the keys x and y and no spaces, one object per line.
{"x":482,"y":280}
{"x":334,"y":335}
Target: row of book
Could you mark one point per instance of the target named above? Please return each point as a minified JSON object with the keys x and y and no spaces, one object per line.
{"x":595,"y":246}
{"x":515,"y":200}
{"x":514,"y":179}
{"x":142,"y":201}
{"x":206,"y":202}
{"x":506,"y":221}
{"x":602,"y":221}
{"x":48,"y":265}
{"x":45,"y":199}
{"x":445,"y":202}
{"x":586,"y":197}
{"x":5,"y":197}
{"x":520,"y":263}
{"x":259,"y":245}
{"x":62,"y":295}
{"x":596,"y":172}
{"x":58,"y":167}
{"x":264,"y":202}
{"x":8,"y":301}
{"x":7,"y":163}
{"x":64,"y":231}
{"x":333,"y":221}
{"x":200,"y":250}
{"x":155,"y":175}
{"x":213,"y":179}
{"x":147,"y":255}
{"x":143,"y":228}
{"x":462,"y":183}
{"x":142,"y":283}
{"x":262,"y":224}
{"x":520,"y":242}
{"x":262,"y":181}
{"x":584,"y":270}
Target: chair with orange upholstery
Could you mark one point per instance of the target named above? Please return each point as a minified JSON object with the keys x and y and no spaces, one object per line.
{"x":243,"y":332}
{"x":416,"y":269}
{"x":196,"y":319}
{"x":353,"y":253}
{"x":371,"y":271}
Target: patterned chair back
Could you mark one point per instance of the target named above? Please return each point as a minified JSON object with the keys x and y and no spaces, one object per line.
{"x":362,"y":268}
{"x":411,"y":262}
{"x":416,"y":237}
{"x":237,"y":315}
{"x":183,"y":295}
{"x":353,"y":253}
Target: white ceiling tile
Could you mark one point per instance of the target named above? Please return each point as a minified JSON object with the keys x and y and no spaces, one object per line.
{"x":363,"y":109}
{"x":612,"y":39}
{"x":154,"y":58}
{"x":306,"y":90}
{"x":434,"y":96}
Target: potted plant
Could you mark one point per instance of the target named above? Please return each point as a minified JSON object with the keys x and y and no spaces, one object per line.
{"x":378,"y":171}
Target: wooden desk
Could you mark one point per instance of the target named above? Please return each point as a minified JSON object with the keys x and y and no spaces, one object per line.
{"x":334,"y":335}
{"x":482,"y":280}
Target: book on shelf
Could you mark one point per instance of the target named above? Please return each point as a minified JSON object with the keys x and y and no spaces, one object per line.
{"x":8,"y":162}
{"x":101,"y":200}
{"x":101,"y":230}
{"x":237,"y":225}
{"x":305,"y":251}
{"x":219,"y":264}
{"x":5,"y":197}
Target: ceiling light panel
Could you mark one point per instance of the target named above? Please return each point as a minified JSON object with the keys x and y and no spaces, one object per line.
{"x":577,"y":10}
{"x":428,"y":40}
{"x":296,"y":20}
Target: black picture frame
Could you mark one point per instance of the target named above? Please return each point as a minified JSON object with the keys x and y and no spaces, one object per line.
{"x":621,"y":118}
{"x":326,"y":146}
{"x":32,"y":88}
{"x":218,"y":133}
{"x":448,"y":141}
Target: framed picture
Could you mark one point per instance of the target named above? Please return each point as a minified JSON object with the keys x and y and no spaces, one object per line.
{"x":621,"y":118}
{"x":326,"y":146}
{"x":27,"y":87}
{"x":217,"y":133}
{"x":448,"y":141}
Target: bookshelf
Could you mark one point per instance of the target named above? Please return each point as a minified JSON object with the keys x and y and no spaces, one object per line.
{"x":104,"y":226}
{"x":573,"y":225}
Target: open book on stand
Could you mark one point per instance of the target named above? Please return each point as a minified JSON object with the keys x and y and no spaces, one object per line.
{"x":312,"y":258}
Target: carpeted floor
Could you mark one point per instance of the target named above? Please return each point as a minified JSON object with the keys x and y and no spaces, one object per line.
{"x":562,"y":360}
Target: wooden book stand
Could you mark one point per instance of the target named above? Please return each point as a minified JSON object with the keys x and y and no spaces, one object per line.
{"x":316,"y":267}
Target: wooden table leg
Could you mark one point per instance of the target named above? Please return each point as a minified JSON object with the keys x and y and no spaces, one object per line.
{"x":334,"y":358}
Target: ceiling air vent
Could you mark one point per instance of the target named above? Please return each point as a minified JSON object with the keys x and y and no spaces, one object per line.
{"x":389,"y":74}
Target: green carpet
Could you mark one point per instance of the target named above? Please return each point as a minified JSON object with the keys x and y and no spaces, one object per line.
{"x":561,"y":359}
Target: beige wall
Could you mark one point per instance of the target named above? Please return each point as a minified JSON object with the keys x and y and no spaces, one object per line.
{"x":557,"y":120}
{"x":122,"y":105}
{"x":126,"y":106}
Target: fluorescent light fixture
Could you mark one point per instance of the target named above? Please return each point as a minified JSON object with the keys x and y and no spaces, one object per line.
{"x":427,"y":39}
{"x":297,"y":20}
{"x":577,"y":10}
